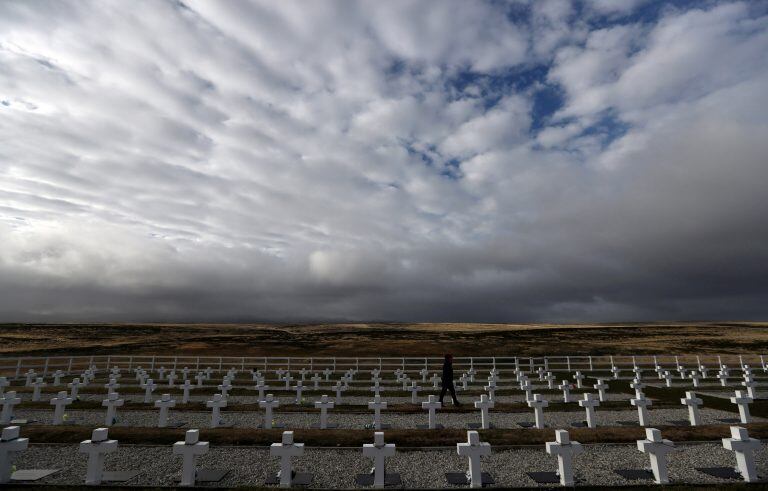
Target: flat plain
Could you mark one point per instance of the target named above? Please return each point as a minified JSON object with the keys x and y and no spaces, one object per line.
{"x":384,"y":339}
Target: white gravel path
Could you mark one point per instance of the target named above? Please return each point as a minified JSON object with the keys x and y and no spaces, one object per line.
{"x":336,"y":468}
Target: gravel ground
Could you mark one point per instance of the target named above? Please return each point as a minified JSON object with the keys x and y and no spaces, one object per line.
{"x":195,"y":419}
{"x":336,"y":468}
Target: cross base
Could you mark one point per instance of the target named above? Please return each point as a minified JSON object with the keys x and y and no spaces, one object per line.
{"x":299,"y":479}
{"x":479,"y":426}
{"x":461,"y":478}
{"x":389,"y":479}
{"x":721,"y":472}
{"x":32,"y":474}
{"x":634,"y":474}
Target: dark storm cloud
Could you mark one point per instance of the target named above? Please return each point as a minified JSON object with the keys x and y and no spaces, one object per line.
{"x":383,"y":161}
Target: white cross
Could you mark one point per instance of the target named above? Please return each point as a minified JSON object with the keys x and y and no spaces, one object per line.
{"x":464,"y":379}
{"x":566,"y":388}
{"x":268,"y":404}
{"x":693,"y":404}
{"x":642,"y":408}
{"x":565,"y":450}
{"x":414,"y":390}
{"x":112,"y":386}
{"x":471,"y":372}
{"x":658,"y":450}
{"x":161,"y":373}
{"x":74,"y":386}
{"x":327,"y":372}
{"x":261,"y":388}
{"x":431,"y":404}
{"x":750,"y":385}
{"x":601,"y":387}
{"x":3,"y":384}
{"x":30,"y":375}
{"x":216,"y":404}
{"x":616,"y":372}
{"x":225,"y":387}
{"x":579,"y":379}
{"x":538,"y":404}
{"x":10,"y":444}
{"x":200,"y":376}
{"x":744,"y":447}
{"x":723,"y":378}
{"x":165,"y":403}
{"x":111,"y":403}
{"x":288,"y":379}
{"x":57,"y":377}
{"x":589,"y":403}
{"x":185,"y":374}
{"x":38,"y":384}
{"x":97,"y":447}
{"x":550,"y":380}
{"x":299,"y":387}
{"x":695,"y":377}
{"x":189,"y":450}
{"x":703,"y":370}
{"x":149,"y":386}
{"x":638,"y":373}
{"x":324,"y":404}
{"x":528,"y":388}
{"x":377,"y":405}
{"x":424,"y":372}
{"x":339,"y":388}
{"x":186,"y":388}
{"x":286,"y":450}
{"x":302,"y":373}
{"x":473,"y":449}
{"x":60,"y":402}
{"x":378,"y":451}
{"x":484,"y":404}
{"x":667,"y":378}
{"x":743,"y":401}
{"x":491,"y":389}
{"x":172,"y":378}
{"x":316,"y":380}
{"x":638,"y":386}
{"x":435,"y":381}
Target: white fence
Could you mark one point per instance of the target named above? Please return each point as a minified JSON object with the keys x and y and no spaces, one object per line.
{"x":17,"y":366}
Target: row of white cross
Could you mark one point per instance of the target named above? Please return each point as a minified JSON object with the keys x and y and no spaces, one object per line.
{"x":563,"y":448}
{"x":535,"y":401}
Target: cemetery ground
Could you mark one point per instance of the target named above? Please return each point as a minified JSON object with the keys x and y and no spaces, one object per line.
{"x":58,"y":379}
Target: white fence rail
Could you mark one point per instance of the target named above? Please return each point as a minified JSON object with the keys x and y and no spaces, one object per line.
{"x":17,"y":366}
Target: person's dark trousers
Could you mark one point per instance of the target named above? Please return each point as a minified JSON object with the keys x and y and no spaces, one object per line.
{"x":448,"y":387}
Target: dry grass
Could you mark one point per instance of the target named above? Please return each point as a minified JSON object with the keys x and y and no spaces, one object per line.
{"x":383,"y":339}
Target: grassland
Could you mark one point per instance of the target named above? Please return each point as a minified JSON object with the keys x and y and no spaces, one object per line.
{"x":383,"y":339}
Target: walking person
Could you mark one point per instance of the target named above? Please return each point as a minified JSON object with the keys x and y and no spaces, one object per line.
{"x":447,"y":382}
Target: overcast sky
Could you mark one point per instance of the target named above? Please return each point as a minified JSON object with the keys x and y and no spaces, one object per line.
{"x":383,"y":160}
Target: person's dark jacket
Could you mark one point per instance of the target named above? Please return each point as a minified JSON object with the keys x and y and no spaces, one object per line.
{"x":447,"y":373}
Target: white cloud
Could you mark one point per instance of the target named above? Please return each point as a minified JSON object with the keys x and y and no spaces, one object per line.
{"x":286,"y":160}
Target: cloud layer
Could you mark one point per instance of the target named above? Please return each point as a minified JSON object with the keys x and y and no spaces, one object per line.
{"x":442,"y":161}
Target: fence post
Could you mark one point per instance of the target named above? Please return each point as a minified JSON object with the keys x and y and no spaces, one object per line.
{"x":242,"y":364}
{"x":18,"y":367}
{"x":530,"y":364}
{"x":45,"y":368}
{"x":152,"y":364}
{"x":591,"y":366}
{"x":220,"y":362}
